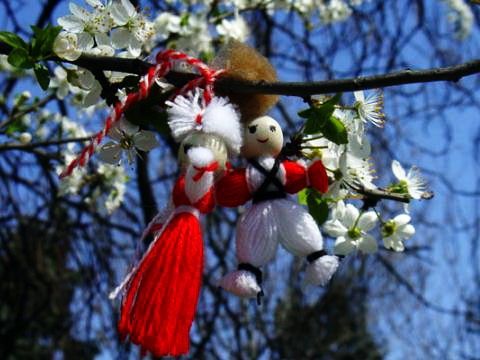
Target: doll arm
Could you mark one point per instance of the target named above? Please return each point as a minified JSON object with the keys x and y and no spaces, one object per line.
{"x":298,"y":176}
{"x":232,"y":189}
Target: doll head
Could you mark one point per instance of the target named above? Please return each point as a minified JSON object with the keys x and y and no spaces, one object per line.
{"x":200,"y":139}
{"x":262,"y":137}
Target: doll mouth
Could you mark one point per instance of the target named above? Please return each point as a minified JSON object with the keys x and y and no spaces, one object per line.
{"x":262,"y":141}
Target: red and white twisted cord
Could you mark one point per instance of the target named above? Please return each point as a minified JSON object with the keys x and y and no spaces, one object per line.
{"x":164,"y":63}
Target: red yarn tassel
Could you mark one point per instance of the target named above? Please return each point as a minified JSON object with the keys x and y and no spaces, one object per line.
{"x":161,"y":298}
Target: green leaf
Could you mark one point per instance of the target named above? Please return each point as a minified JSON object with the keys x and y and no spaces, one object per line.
{"x":184,"y":19}
{"x":19,"y":58}
{"x":302,"y":197}
{"x":42,"y":75}
{"x":317,"y":207}
{"x":317,"y":119}
{"x":18,"y":126}
{"x":306,"y":113}
{"x":335,"y":131}
{"x":13,"y":40}
{"x":51,"y":33}
{"x":42,"y":41}
{"x":318,"y":116}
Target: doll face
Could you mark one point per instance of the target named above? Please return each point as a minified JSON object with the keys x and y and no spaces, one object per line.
{"x":263,"y":137}
{"x":211,"y":142}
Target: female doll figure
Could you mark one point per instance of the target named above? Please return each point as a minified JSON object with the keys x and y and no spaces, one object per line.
{"x":161,"y":292}
{"x":272,"y":218}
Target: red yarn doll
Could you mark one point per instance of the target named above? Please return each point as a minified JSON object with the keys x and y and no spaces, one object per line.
{"x":162,"y":291}
{"x":272,"y":218}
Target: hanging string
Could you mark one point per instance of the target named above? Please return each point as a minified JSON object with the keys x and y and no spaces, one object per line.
{"x":164,"y":63}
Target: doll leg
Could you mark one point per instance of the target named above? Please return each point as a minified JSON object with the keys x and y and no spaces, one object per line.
{"x":256,"y":245}
{"x":300,"y":235}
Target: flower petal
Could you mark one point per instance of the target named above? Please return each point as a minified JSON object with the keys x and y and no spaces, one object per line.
{"x":134,"y":47}
{"x":367,"y":221}
{"x":85,"y":41}
{"x":398,"y":170}
{"x":93,"y":95}
{"x":120,"y":38}
{"x":350,"y":215}
{"x":406,"y":231}
{"x":127,"y":127}
{"x":343,"y":246}
{"x":335,"y":228}
{"x":95,"y":3}
{"x":145,"y":140}
{"x":78,"y":11}
{"x":129,"y":8}
{"x":103,"y":39}
{"x":110,"y":153}
{"x":367,"y":244}
{"x":402,"y":219}
{"x":359,"y":96}
{"x":71,"y":23}
{"x":119,"y":14}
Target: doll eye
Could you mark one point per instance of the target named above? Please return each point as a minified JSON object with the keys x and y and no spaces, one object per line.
{"x":273,"y":128}
{"x":186,"y":147}
{"x":252,"y":129}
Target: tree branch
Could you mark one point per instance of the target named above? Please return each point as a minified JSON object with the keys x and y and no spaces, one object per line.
{"x":302,"y":89}
{"x":374,"y":195}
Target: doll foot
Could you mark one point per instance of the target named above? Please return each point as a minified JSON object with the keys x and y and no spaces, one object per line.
{"x":321,"y":269}
{"x":241,"y":283}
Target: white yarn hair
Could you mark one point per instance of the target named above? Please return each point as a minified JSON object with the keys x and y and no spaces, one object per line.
{"x":219,"y":117}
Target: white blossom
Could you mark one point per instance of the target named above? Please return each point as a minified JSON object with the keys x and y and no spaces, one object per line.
{"x":396,"y":231}
{"x":334,"y":10}
{"x":25,"y":138}
{"x":461,"y":16}
{"x":195,"y":36}
{"x":109,"y":185}
{"x":60,"y":82}
{"x":350,"y":227}
{"x":411,"y":183}
{"x":115,"y":180}
{"x":370,"y":108}
{"x":165,"y":24}
{"x":234,"y":29}
{"x":82,"y":21}
{"x":66,"y":46}
{"x":128,"y":138}
{"x":134,"y":29}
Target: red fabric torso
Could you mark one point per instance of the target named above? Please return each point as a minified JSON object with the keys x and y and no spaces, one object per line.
{"x":179,"y":196}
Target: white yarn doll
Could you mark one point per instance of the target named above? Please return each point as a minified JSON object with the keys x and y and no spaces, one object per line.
{"x":272,"y":217}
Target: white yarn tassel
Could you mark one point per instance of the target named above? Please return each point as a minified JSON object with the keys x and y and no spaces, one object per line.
{"x":320,"y":271}
{"x":241,"y":283}
{"x":188,"y":114}
{"x":221,"y":118}
{"x":182,"y":114}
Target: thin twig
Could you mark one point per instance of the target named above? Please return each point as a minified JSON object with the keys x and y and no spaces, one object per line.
{"x":33,"y":107}
{"x":28,"y":147}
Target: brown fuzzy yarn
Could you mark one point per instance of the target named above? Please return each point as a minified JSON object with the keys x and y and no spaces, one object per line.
{"x":243,"y":62}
